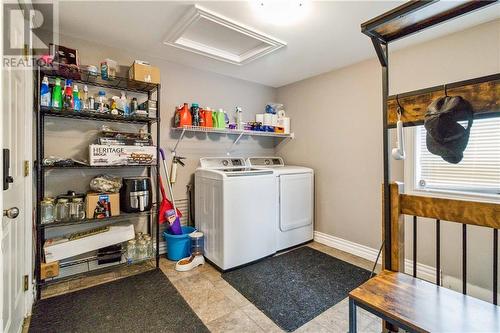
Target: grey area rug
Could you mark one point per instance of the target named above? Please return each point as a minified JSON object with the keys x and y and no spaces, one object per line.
{"x":297,"y":286}
{"x":146,"y":302}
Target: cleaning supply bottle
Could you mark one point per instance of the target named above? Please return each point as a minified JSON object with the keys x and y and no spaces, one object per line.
{"x":45,"y":92}
{"x":185,"y":118}
{"x":68,"y":95}
{"x":195,"y":114}
{"x":76,"y":99}
{"x":221,"y":118}
{"x":101,"y":101}
{"x":57,"y":95}
{"x":207,"y":115}
{"x":239,"y":121}
{"x":84,"y":98}
{"x":202,"y":117}
{"x":123,"y":105}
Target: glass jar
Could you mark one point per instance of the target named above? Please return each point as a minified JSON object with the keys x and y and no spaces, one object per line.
{"x":77,"y":209}
{"x":149,"y":248}
{"x":142,"y":250}
{"x":62,"y":210}
{"x":197,"y":243}
{"x":131,"y":253}
{"x":47,"y":210}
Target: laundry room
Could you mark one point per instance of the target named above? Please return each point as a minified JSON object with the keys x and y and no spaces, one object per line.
{"x":250,"y":166}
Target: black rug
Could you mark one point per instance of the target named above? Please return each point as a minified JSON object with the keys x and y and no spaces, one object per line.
{"x":146,"y":302}
{"x":297,"y":286}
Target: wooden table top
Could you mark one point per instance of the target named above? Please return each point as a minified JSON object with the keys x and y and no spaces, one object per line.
{"x":426,"y":307}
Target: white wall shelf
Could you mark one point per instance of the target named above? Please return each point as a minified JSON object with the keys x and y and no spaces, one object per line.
{"x":225,"y":131}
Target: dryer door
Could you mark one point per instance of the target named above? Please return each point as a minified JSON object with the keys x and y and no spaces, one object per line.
{"x":296,"y":200}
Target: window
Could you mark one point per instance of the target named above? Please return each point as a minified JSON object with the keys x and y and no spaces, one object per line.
{"x":479,"y":170}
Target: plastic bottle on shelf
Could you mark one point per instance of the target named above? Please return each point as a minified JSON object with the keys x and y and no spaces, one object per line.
{"x":68,"y":95}
{"x":195,"y":114}
{"x":76,"y":99}
{"x":123,"y":105}
{"x":45,"y":92}
{"x":101,"y":101}
{"x":85,"y":98}
{"x":239,"y":121}
{"x":57,"y":95}
{"x":185,"y":118}
{"x":202,"y":117}
{"x":207,"y":115}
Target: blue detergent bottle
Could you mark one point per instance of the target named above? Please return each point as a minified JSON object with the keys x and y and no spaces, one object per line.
{"x":45,"y":92}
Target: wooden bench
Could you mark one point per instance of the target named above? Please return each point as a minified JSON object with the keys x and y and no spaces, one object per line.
{"x":416,"y":305}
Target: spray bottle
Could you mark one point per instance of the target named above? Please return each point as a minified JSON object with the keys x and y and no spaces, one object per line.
{"x":239,"y":121}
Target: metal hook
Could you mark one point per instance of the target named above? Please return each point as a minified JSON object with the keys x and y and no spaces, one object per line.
{"x":400,"y":107}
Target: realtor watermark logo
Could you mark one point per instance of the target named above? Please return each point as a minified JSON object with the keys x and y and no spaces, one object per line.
{"x":28,"y":32}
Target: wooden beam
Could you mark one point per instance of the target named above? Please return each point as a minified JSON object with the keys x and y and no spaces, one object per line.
{"x":461,"y":211}
{"x":483,"y":93}
{"x":397,"y":229}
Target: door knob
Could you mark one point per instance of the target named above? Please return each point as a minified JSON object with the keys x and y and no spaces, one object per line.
{"x":11,"y":213}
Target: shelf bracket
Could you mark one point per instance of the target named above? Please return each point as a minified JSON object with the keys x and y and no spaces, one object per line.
{"x":174,"y":151}
{"x":235,"y":142}
{"x":283,"y":142}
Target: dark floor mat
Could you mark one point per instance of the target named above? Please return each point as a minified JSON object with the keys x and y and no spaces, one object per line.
{"x":295,"y":287}
{"x":146,"y":302}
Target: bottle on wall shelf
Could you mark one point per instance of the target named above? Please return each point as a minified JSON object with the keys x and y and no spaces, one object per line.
{"x":239,"y":121}
{"x":45,"y":92}
{"x":195,"y":114}
{"x":85,"y":98}
{"x":57,"y":95}
{"x":184,"y":116}
{"x":207,"y":115}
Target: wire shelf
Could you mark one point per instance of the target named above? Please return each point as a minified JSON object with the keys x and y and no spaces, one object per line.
{"x":87,"y":115}
{"x":113,"y":219}
{"x":231,"y":131}
{"x":86,"y":77}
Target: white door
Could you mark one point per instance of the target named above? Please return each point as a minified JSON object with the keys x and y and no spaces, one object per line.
{"x":296,"y":200}
{"x":16,"y":219}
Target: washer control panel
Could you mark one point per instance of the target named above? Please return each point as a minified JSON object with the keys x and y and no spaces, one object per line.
{"x":221,"y":162}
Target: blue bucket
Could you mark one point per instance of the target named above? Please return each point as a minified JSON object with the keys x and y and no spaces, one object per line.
{"x":178,"y":246}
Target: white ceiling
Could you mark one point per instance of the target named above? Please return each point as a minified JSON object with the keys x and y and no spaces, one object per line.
{"x":328,"y":38}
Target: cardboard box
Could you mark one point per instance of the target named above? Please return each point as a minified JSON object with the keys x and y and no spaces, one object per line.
{"x":49,"y":270}
{"x":143,"y":71}
{"x":102,"y":205}
{"x":121,"y":155}
{"x":62,"y":248}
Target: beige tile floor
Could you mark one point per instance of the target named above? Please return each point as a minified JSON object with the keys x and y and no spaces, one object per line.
{"x":223,"y":309}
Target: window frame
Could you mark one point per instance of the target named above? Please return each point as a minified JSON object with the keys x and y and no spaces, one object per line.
{"x":411,"y":174}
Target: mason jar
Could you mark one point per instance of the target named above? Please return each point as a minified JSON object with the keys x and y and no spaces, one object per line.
{"x":62,"y":210}
{"x":47,"y":210}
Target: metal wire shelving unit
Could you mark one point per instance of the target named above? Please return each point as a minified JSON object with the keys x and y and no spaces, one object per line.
{"x":41,"y":113}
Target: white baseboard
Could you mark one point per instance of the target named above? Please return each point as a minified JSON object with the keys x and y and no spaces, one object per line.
{"x":424,"y":272}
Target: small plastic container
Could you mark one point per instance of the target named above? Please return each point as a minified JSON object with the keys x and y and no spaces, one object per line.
{"x":197,"y":243}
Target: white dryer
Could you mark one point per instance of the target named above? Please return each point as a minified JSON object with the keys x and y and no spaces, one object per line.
{"x":236,"y":209}
{"x":295,"y":189}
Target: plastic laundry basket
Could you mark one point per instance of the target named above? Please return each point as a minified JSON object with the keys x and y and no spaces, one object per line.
{"x":178,"y":246}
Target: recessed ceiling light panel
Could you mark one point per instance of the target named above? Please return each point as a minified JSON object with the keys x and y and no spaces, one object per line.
{"x":212,"y":35}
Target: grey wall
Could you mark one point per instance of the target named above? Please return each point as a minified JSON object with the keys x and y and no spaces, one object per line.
{"x":338,"y":118}
{"x":179,"y":84}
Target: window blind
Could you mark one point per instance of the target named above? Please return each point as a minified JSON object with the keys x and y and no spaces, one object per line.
{"x":479,"y":170}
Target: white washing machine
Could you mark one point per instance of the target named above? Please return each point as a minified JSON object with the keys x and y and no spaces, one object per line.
{"x":236,"y":209}
{"x":295,"y":188}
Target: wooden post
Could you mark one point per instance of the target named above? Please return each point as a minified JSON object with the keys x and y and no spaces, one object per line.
{"x":397,"y":229}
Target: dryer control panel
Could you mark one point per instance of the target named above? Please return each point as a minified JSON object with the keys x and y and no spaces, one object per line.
{"x":265,"y":161}
{"x":222,"y":163}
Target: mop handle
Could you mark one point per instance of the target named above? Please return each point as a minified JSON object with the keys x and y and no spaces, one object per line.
{"x":169,"y":185}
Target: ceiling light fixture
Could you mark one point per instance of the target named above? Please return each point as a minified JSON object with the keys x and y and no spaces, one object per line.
{"x":281,"y":12}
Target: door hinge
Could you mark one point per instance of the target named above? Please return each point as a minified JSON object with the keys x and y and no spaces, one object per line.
{"x":26,"y":283}
{"x":26,"y":168}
